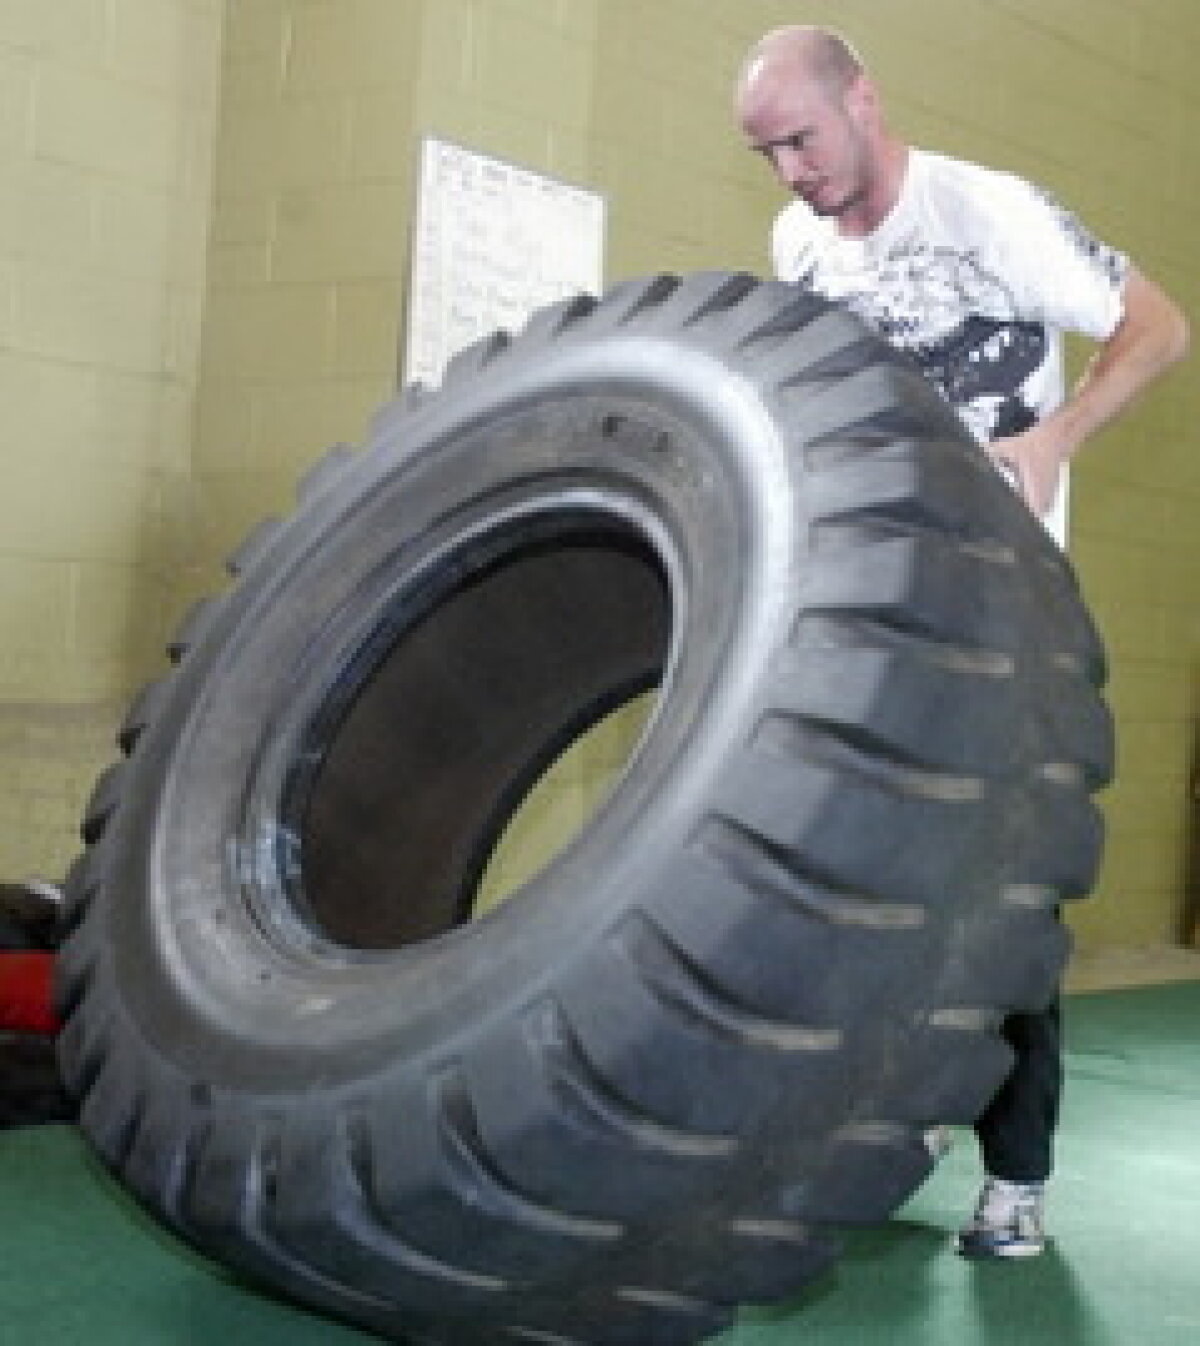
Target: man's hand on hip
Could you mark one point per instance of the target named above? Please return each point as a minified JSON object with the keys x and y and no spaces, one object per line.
{"x":1034,"y":460}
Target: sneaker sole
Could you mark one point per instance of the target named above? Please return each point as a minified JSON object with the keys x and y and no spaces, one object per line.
{"x":1007,"y":1251}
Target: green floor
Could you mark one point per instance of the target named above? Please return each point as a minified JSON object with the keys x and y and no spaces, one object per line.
{"x":78,"y":1264}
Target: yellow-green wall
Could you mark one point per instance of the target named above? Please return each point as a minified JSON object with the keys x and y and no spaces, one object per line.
{"x":107,"y":110}
{"x":322,"y":106}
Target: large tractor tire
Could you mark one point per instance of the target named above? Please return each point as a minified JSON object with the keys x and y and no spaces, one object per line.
{"x":652,"y":1084}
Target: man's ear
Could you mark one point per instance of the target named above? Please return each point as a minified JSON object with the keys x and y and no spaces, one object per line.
{"x":861,"y":99}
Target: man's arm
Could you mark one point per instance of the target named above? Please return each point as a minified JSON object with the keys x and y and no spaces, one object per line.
{"x":1151,"y":336}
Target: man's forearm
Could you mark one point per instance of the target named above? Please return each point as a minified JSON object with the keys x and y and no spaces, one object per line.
{"x":1152,"y":336}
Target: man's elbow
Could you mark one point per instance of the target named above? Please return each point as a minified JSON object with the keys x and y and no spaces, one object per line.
{"x":1155,"y":321}
{"x":1169,"y":324}
{"x":1178,"y":338}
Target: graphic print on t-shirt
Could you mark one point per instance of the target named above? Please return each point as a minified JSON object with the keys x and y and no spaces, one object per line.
{"x":984,"y":365}
{"x":1105,"y":261}
{"x":931,"y":302}
{"x":975,"y":274}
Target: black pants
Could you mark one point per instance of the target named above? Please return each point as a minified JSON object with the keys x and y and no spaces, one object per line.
{"x":1016,"y":1132}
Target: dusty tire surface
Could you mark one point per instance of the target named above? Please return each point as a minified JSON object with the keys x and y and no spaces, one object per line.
{"x":651,"y":1085}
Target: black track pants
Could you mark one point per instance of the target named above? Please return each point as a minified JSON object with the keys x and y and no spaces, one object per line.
{"x":1016,"y":1132}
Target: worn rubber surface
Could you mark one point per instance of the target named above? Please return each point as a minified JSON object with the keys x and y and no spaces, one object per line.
{"x":651,"y":1085}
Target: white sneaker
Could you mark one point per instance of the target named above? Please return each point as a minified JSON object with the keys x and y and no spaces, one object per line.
{"x":1008,"y":1221}
{"x":939,"y":1140}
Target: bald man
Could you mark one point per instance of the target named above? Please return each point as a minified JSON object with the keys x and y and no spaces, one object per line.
{"x":976,"y":274}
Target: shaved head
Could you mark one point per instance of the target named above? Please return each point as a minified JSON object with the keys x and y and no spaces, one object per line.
{"x":800,"y":50}
{"x":806,"y":103}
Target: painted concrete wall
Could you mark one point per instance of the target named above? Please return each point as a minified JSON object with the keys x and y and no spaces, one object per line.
{"x":107,"y":111}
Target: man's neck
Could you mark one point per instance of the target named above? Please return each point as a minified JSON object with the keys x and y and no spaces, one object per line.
{"x":866,"y":214}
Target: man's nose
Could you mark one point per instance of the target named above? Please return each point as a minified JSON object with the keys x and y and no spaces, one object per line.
{"x":792,"y":166}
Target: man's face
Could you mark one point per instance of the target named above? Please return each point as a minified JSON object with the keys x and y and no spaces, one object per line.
{"x":814,"y":139}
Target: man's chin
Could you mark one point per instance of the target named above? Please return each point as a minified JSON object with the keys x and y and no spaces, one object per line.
{"x":823,"y":205}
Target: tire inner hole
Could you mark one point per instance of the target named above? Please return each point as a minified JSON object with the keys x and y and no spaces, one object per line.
{"x":525,"y":683}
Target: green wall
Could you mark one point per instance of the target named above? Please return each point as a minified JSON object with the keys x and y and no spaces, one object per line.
{"x":107,"y":117}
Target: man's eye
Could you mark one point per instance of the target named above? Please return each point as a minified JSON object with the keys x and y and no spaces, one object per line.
{"x":794,"y":142}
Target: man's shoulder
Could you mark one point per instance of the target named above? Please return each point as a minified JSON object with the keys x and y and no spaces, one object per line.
{"x":975,"y":190}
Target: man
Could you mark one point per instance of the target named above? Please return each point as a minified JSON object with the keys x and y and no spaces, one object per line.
{"x":977,"y":274}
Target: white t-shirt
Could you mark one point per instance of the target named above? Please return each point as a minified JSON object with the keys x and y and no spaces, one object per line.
{"x":977,"y":274}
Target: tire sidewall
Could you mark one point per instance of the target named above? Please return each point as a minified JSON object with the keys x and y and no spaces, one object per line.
{"x":701,"y":475}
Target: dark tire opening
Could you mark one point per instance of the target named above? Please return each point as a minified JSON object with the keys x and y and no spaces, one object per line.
{"x":421,"y":763}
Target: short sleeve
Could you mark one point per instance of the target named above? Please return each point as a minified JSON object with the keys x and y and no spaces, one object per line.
{"x":1059,"y":272}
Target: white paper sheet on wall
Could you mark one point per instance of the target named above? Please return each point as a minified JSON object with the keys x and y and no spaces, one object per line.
{"x":492,"y":243}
